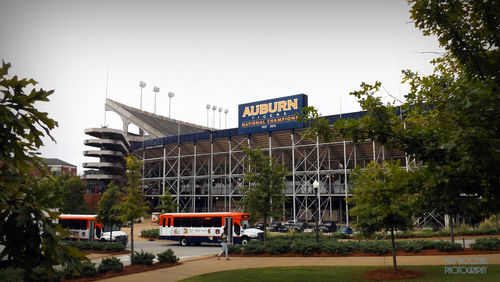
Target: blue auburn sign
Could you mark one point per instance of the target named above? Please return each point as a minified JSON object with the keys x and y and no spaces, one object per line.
{"x":270,"y":115}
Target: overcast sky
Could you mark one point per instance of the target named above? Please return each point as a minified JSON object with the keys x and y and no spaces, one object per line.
{"x":222,"y":53}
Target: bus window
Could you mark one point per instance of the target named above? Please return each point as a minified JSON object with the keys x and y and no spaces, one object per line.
{"x":237,"y":228}
{"x":207,"y":222}
{"x":186,"y":222}
{"x":217,"y":221}
{"x":169,"y":222}
{"x":177,"y":222}
{"x":196,"y":222}
{"x":163,"y":222}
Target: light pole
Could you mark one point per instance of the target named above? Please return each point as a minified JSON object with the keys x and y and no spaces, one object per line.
{"x":142,"y":84}
{"x":225,"y":112}
{"x":170,"y":96}
{"x":220,"y":111}
{"x":213,"y":116}
{"x":316,"y":190}
{"x":156,"y":90}
{"x":208,"y":109}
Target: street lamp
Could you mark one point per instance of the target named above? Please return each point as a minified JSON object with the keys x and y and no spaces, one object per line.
{"x":156,"y":90}
{"x":220,"y":111}
{"x":316,"y":192}
{"x":208,"y":108}
{"x":170,"y":96}
{"x":213,"y":116}
{"x":225,"y":112}
{"x":142,"y":84}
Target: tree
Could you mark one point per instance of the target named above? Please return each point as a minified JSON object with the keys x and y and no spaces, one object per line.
{"x":133,"y":206}
{"x":450,"y":119}
{"x":167,"y":203}
{"x":73,"y":189}
{"x":27,"y":232}
{"x":264,"y":193}
{"x":109,"y":208}
{"x":382,"y":199}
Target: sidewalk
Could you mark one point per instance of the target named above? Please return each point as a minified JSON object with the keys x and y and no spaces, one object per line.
{"x":194,"y":267}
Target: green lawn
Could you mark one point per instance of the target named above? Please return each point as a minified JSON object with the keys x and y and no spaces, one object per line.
{"x":338,"y":273}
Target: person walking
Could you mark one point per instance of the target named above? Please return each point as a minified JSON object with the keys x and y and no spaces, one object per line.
{"x":223,"y":239}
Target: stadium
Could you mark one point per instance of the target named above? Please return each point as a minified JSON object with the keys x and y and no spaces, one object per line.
{"x":203,"y":168}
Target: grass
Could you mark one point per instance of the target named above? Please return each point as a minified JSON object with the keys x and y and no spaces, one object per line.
{"x":338,"y":273}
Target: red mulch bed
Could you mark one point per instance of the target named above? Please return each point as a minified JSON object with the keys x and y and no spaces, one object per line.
{"x":431,"y":252}
{"x":383,"y":274}
{"x":129,"y":269}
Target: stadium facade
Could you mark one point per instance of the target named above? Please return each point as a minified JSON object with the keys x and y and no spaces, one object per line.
{"x":203,"y":168}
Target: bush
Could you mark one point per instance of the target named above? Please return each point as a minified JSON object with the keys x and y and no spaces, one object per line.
{"x":278,"y":246}
{"x":306,"y":246}
{"x":110,"y":264}
{"x":410,"y":246}
{"x":375,"y":247}
{"x":88,"y":269}
{"x":339,"y":247}
{"x":446,"y":246}
{"x":145,"y":258}
{"x":253,"y":248}
{"x":99,"y":246}
{"x":168,"y":256}
{"x":11,"y":274}
{"x":339,"y":236}
{"x":489,"y":244}
{"x":82,"y":269}
{"x":234,"y":249}
{"x":40,"y":274}
{"x":152,"y":233}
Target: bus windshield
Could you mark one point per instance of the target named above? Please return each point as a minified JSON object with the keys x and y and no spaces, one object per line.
{"x":245,"y":224}
{"x":107,"y":228}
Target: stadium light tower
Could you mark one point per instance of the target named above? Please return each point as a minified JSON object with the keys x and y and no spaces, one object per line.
{"x":225,"y":123}
{"x":170,"y":96}
{"x":220,"y":111}
{"x":213,"y":116}
{"x":142,"y":84}
{"x":156,"y":90}
{"x":208,"y":108}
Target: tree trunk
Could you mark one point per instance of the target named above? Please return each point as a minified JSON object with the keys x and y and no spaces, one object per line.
{"x":265,"y":229}
{"x":452,"y":222}
{"x":496,"y":220}
{"x":395,"y":264}
{"x":131,"y":241}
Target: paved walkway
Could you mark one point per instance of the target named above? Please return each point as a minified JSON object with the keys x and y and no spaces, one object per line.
{"x":194,"y":267}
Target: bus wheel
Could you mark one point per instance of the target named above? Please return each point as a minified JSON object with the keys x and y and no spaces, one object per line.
{"x":244,"y":240}
{"x":184,"y":242}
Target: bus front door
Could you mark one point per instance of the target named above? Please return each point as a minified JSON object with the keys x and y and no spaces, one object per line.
{"x":228,"y":223}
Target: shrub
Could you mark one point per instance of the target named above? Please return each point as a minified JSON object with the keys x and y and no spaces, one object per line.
{"x":278,"y":246}
{"x":410,"y":246}
{"x":145,"y":258}
{"x":88,"y":269}
{"x":339,"y":236}
{"x":151,"y":233}
{"x":82,"y":269}
{"x":99,"y":246}
{"x":110,"y":264}
{"x":375,"y":247}
{"x":339,"y":247}
{"x":446,"y":246}
{"x":253,"y":248}
{"x":112,"y":246}
{"x":167,"y":256}
{"x":234,"y":249}
{"x":306,"y":246}
{"x":489,"y":244}
{"x":11,"y":274}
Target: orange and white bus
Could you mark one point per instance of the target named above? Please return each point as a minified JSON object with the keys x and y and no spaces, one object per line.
{"x":197,"y":228}
{"x":85,"y":227}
